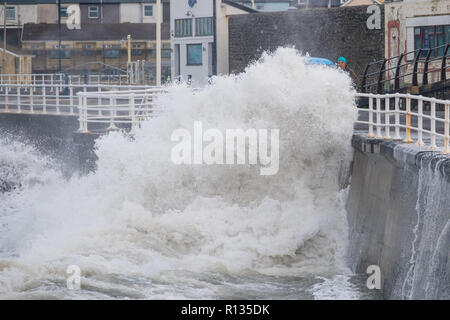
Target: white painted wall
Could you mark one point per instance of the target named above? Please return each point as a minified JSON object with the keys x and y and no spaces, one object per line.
{"x":203,"y":8}
{"x":134,"y":13}
{"x":24,"y":14}
{"x":410,"y":14}
{"x":179,"y":10}
{"x":407,"y":15}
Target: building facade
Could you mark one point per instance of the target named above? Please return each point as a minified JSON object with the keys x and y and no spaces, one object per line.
{"x":267,"y":5}
{"x":199,"y":37}
{"x":417,"y":24}
{"x":100,"y":40}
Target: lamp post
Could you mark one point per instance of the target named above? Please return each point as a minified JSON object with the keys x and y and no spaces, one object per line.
{"x":59,"y":36}
{"x":129,"y":47}
{"x":4,"y":39}
{"x":158,"y":42}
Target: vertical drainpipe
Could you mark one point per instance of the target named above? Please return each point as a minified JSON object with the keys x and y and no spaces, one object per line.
{"x":214,"y":46}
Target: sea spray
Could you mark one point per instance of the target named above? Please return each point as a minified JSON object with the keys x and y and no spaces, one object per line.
{"x":144,"y":227}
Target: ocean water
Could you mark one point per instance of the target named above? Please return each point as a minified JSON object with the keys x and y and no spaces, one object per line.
{"x":141,"y":227}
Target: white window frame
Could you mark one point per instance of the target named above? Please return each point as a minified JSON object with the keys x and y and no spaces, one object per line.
{"x":15,"y":13}
{"x":89,"y":12}
{"x":143,"y":10}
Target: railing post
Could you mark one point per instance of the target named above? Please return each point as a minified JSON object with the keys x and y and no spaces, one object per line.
{"x":112,"y":113}
{"x":85,"y":114}
{"x":370,"y":135}
{"x":379,"y":136}
{"x":44,"y":98}
{"x":397,"y":117}
{"x":444,"y":63}
{"x":380,"y":77}
{"x":420,"y":122}
{"x":387,"y":110}
{"x":433,"y":126}
{"x":58,"y":111}
{"x":415,"y":82}
{"x":80,"y":113}
{"x":31,"y":101}
{"x":408,"y":119}
{"x":364,"y":79}
{"x":51,"y":83}
{"x":99,"y":100}
{"x":18,"y":100}
{"x":425,"y":68}
{"x":446,"y":128}
{"x":71,"y":98}
{"x":397,"y":72}
{"x":132,"y":113}
{"x":6,"y":99}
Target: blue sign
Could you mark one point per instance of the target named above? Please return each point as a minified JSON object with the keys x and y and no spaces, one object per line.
{"x":192,"y":3}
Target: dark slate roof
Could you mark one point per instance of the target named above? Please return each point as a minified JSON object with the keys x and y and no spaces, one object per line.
{"x":94,"y":32}
{"x":80,"y":1}
{"x":239,"y":6}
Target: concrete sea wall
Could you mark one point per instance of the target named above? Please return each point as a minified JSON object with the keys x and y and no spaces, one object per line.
{"x":399,"y":218}
{"x":55,"y":136}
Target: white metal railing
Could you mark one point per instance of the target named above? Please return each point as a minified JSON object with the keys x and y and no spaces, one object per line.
{"x":32,"y":78}
{"x":49,"y":98}
{"x":113,"y":108}
{"x":413,"y":118}
{"x":120,"y":79}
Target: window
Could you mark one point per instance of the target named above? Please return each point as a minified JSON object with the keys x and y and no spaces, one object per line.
{"x":148,"y":11}
{"x":183,"y":28}
{"x":165,"y":53}
{"x":93,"y":12}
{"x":65,"y":54}
{"x":203,"y":26}
{"x":63,"y":12}
{"x":87,"y":53}
{"x":194,"y":54}
{"x":10,"y":13}
{"x":431,"y":36}
{"x":136,"y":52}
{"x":111,"y":54}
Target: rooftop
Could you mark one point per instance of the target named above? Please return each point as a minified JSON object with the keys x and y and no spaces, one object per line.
{"x":95,"y":32}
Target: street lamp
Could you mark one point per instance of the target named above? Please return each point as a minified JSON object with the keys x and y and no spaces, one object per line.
{"x":59,"y":35}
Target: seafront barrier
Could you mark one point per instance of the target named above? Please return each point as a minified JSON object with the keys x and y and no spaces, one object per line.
{"x":399,"y":217}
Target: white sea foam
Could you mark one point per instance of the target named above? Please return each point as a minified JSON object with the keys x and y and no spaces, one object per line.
{"x":140,"y":221}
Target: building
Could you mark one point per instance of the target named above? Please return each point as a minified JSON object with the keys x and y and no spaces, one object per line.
{"x":32,"y":27}
{"x":267,"y":5}
{"x":308,"y":4}
{"x":415,"y":24}
{"x":104,"y":43}
{"x":199,"y":37}
{"x":15,"y":62}
{"x":351,"y":3}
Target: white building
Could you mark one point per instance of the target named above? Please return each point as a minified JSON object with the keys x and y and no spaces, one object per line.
{"x":415,"y":24}
{"x":267,"y":5}
{"x":199,"y":37}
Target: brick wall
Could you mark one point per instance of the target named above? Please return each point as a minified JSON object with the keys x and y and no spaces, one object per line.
{"x":326,"y":33}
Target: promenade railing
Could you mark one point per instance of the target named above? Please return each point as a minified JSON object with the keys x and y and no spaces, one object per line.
{"x":406,"y":117}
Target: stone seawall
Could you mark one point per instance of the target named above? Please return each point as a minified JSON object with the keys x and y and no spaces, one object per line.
{"x":326,"y":33}
{"x":399,"y":217}
{"x":55,"y":136}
